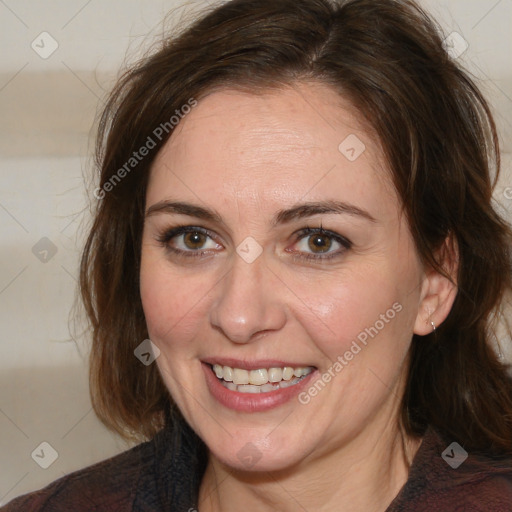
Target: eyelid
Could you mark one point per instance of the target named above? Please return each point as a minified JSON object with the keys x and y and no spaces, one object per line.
{"x":319,"y":257}
{"x":301,"y":233}
{"x":166,"y":235}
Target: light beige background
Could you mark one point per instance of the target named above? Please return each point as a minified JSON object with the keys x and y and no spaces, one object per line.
{"x":47,"y":108}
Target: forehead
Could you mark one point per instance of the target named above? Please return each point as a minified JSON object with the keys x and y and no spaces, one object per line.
{"x":300,"y":142}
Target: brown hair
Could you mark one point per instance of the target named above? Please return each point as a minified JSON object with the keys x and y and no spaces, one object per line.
{"x":439,"y":139}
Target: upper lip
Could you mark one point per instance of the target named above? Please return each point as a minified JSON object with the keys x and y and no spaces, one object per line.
{"x":253,"y":365}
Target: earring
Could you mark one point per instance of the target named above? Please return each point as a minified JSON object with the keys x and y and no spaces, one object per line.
{"x":431,"y":322}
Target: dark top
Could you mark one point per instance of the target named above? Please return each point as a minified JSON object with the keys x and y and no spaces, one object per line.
{"x":164,"y":475}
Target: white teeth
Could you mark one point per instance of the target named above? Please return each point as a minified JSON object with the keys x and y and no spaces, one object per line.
{"x":287,"y":384}
{"x":258,"y":377}
{"x":265,"y":388}
{"x":240,"y":376}
{"x":248,"y":388}
{"x":275,"y":375}
{"x":228,"y":373}
{"x":287,"y":373}
{"x":261,"y":380}
{"x":217,"y":368}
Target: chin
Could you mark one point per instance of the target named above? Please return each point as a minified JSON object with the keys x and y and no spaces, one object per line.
{"x":256,"y":453}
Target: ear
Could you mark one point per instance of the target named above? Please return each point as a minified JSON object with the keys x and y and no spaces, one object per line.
{"x":438,"y":291}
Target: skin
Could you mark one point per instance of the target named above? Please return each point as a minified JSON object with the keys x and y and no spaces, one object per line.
{"x":247,"y":157}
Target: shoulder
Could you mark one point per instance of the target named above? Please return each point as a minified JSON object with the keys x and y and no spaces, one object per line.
{"x":109,"y":485}
{"x":487,"y":493}
{"x":445,"y":477}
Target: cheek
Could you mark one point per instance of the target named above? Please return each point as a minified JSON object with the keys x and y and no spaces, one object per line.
{"x":173,"y":304}
{"x":365,"y":304}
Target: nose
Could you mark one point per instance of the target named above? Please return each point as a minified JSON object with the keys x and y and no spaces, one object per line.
{"x":248,"y":302}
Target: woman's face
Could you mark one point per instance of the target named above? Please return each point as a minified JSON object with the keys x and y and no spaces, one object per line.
{"x":273,"y":238}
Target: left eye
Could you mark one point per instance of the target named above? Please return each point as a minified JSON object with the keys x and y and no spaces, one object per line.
{"x":320,"y":243}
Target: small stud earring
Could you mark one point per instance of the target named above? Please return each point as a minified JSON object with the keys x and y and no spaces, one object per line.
{"x":433,"y":326}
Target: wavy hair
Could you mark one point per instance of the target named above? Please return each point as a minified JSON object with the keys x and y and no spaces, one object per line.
{"x":440,"y":142}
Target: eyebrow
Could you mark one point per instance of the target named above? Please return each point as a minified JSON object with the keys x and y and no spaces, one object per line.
{"x":182,"y":208}
{"x":300,"y":211}
{"x":314,"y":208}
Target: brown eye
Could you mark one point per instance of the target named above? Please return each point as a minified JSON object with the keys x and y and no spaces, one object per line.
{"x":188,"y":240}
{"x":194,"y":240}
{"x":319,"y":243}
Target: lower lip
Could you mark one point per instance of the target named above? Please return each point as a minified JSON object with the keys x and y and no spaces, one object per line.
{"x":250,"y":402}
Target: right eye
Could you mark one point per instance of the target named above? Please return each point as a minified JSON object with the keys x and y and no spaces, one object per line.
{"x":188,"y":241}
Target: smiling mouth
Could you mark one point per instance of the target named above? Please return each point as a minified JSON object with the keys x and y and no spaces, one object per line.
{"x":262,"y":380}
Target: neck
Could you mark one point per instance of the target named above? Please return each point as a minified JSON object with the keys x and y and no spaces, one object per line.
{"x":365,"y":474}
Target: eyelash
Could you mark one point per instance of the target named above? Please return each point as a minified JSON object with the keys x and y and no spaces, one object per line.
{"x":308,"y":231}
{"x":169,"y":234}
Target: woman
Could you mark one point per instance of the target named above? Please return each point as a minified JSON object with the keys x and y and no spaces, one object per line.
{"x":295,"y":208}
